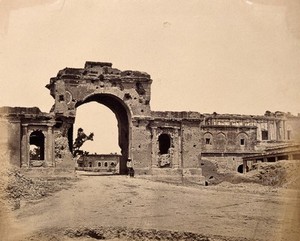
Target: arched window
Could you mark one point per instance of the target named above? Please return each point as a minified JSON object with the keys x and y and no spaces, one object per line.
{"x":242,"y":139}
{"x":208,"y":138}
{"x":164,"y":143}
{"x":37,"y":146}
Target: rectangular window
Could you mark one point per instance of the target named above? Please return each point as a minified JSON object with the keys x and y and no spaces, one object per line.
{"x":242,"y":142}
{"x":207,"y":141}
{"x":264,"y":135}
{"x":289,"y":134}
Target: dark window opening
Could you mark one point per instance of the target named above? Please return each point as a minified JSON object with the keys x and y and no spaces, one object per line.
{"x":90,"y":164}
{"x":241,"y":167}
{"x":37,"y":146}
{"x":264,"y":135}
{"x":61,"y":98}
{"x":99,"y":164}
{"x":164,"y":143}
{"x":207,"y":141}
{"x":70,"y":138}
{"x":271,"y":159}
{"x":242,"y":142}
{"x":105,"y":164}
{"x":285,"y":157}
{"x":289,"y":135}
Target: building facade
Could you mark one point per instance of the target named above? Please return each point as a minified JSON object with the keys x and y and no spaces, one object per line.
{"x":153,"y":140}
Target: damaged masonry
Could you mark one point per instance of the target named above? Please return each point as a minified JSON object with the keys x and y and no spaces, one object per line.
{"x":158,"y":143}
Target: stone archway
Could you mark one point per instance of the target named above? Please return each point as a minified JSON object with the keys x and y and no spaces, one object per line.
{"x":126,"y":93}
{"x":123,"y":117}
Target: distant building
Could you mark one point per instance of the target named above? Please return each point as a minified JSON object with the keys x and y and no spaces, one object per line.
{"x":99,"y":163}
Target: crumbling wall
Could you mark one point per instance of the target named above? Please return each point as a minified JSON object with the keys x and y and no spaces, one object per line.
{"x":191,"y":144}
{"x":72,"y":87}
{"x":9,"y":142}
{"x":17,"y":123}
{"x":141,"y":146}
{"x":61,"y":149}
{"x":226,"y":163}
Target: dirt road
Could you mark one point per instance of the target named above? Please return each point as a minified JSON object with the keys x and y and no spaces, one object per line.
{"x":233,"y":212}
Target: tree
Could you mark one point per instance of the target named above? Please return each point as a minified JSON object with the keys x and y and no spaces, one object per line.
{"x":80,"y":139}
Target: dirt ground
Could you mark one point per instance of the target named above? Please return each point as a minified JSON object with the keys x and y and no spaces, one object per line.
{"x":122,"y":208}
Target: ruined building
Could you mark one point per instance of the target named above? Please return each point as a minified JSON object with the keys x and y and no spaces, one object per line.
{"x":157,"y":142}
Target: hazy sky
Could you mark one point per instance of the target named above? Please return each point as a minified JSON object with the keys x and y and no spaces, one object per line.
{"x":228,"y":56}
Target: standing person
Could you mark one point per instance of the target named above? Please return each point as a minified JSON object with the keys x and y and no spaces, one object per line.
{"x":130,"y":170}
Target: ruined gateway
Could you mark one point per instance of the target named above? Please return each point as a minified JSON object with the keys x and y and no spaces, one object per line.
{"x":162,"y":143}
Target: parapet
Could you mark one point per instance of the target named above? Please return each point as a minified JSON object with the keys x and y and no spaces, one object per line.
{"x":99,"y":71}
{"x":23,"y":112}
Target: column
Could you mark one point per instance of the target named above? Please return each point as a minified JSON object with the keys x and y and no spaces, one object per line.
{"x":24,"y":147}
{"x":154,"y":149}
{"x":49,"y":147}
{"x":177,"y":149}
{"x":244,"y":166}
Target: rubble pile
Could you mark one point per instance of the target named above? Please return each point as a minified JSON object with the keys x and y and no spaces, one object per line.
{"x":280,"y":174}
{"x":277,"y":174}
{"x":16,"y":187}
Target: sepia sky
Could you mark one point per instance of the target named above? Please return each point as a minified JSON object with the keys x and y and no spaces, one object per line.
{"x":224,"y":56}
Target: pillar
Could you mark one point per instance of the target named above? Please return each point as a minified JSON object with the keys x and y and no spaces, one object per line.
{"x":49,"y":147}
{"x":154,"y":149}
{"x":176,"y":157}
{"x":24,"y":147}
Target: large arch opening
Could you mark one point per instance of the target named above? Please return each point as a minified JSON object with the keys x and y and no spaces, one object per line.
{"x":101,"y":121}
{"x":122,"y":115}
